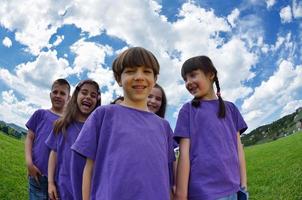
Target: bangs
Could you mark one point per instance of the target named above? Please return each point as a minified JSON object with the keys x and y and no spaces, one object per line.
{"x":189,"y":66}
{"x":135,"y":57}
{"x":199,"y":62}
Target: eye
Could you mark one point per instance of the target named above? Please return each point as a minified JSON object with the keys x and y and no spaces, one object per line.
{"x":148,"y":71}
{"x":94,"y":95}
{"x":84,"y":92}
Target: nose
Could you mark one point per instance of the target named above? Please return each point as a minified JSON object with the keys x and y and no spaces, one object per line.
{"x":139,"y":75}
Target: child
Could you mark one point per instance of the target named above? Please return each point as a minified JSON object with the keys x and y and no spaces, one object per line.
{"x":66,"y":129}
{"x":39,"y":127}
{"x":157,"y":101}
{"x":127,"y":147}
{"x":211,"y":163}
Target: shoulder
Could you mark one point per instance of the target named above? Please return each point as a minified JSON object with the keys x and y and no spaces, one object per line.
{"x":231,"y":106}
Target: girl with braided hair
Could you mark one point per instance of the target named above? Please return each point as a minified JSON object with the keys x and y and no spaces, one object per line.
{"x":211,"y":162}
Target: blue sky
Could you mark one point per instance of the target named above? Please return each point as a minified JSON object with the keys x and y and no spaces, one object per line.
{"x":255,"y":45}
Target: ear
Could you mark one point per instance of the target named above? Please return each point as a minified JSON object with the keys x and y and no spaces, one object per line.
{"x":155,"y":79}
{"x":211,"y":76}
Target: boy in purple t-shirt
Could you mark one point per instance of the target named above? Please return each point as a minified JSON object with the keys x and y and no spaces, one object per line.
{"x":39,"y":126}
{"x":66,"y":129}
{"x":127,"y":147}
{"x":211,"y":163}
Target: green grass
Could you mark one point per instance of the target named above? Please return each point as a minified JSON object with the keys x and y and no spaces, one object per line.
{"x":275,"y":169}
{"x":13,"y":178}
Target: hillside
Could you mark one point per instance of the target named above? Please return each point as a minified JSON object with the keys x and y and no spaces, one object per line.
{"x":12,"y":130}
{"x":275,"y":169}
{"x":285,"y":126}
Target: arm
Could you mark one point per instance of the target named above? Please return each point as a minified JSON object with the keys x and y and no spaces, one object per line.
{"x":52,"y":162}
{"x":242,"y":164}
{"x":33,"y":171}
{"x":87,"y":175}
{"x":183,"y":170}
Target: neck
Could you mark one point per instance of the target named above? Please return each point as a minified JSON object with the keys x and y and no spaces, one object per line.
{"x":56,"y":111}
{"x":81,"y":117}
{"x":140,"y":105}
{"x":209,"y":96}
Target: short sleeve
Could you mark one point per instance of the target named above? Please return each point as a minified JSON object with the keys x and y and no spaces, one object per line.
{"x":240,"y":124}
{"x":182,"y":128}
{"x":52,"y":141}
{"x":171,"y":154}
{"x":33,"y":121}
{"x":87,"y":142}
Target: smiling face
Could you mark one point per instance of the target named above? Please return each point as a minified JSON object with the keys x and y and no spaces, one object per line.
{"x":86,"y":100}
{"x":137,"y":83}
{"x":59,"y":95}
{"x":155,"y":100}
{"x":200,"y":85}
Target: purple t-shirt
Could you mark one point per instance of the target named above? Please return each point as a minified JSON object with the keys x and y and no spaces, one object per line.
{"x":61,"y":144}
{"x":41,"y":123}
{"x":214,"y":171}
{"x":131,"y":150}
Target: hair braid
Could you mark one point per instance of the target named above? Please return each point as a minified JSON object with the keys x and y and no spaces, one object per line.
{"x":221,"y":112}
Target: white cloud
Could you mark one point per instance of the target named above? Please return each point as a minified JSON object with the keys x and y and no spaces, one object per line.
{"x":89,"y":55}
{"x":270,"y":3}
{"x":16,"y":111}
{"x":33,"y":79}
{"x":7,"y":42}
{"x":233,"y":17}
{"x":33,"y":22}
{"x":290,"y":107}
{"x":286,"y":14}
{"x":58,"y":40}
{"x":273,"y":94}
{"x":297,"y":9}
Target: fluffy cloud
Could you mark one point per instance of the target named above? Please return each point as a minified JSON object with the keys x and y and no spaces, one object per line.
{"x":233,"y":17}
{"x":16,"y":111}
{"x":270,"y":3}
{"x":33,"y":79}
{"x":7,"y":42}
{"x":273,"y":94}
{"x":89,"y":55}
{"x":286,"y":14}
{"x":297,"y":9}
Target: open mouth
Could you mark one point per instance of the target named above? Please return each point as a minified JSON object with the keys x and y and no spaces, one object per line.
{"x":86,"y":104}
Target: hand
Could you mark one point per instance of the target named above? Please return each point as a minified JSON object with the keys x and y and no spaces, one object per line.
{"x":52,"y":191}
{"x":34,"y":172}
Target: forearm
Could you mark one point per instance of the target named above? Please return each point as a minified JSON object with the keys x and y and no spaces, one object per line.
{"x":87,"y":175}
{"x":183,"y":171}
{"x":242,"y":164}
{"x":52,"y":162}
{"x":28,"y":148}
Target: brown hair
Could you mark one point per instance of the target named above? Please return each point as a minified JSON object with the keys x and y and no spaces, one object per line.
{"x":204,"y":64}
{"x":72,"y":108}
{"x":134,"y":57}
{"x":162,"y":110}
{"x":61,"y":81}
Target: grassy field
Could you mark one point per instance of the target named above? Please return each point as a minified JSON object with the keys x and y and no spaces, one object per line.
{"x":274,"y":169}
{"x":13,"y":181}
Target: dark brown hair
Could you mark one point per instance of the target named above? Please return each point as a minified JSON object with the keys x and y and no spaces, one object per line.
{"x":61,"y":81}
{"x":134,"y":57}
{"x":204,"y":64}
{"x":119,"y":98}
{"x":72,"y":108}
{"x":162,"y":110}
